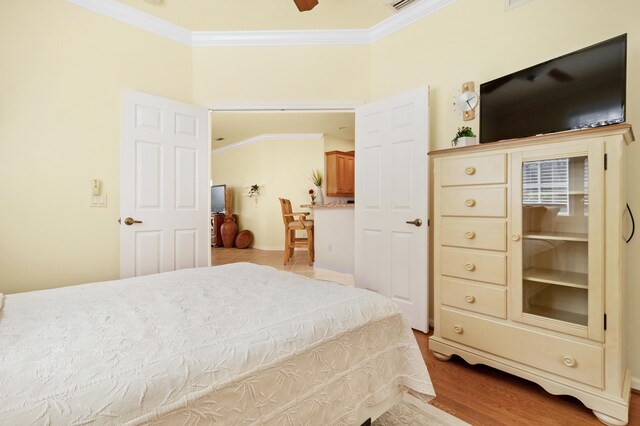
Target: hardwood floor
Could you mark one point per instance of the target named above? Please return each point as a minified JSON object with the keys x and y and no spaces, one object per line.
{"x":482,"y":395}
{"x":299,"y":264}
{"x":477,"y":394}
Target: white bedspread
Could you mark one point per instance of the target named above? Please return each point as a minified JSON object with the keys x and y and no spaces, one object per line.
{"x":234,"y":344}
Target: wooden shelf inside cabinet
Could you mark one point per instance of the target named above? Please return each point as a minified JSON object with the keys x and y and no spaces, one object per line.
{"x":559,"y":236}
{"x":551,"y":276}
{"x":557,"y":314}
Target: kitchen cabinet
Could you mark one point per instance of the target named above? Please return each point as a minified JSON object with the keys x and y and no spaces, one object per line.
{"x":340,"y":173}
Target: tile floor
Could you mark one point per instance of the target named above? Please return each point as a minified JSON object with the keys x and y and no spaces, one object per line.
{"x":298,"y":265}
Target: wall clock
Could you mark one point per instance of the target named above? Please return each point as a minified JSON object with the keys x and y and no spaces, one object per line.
{"x":466,"y":100}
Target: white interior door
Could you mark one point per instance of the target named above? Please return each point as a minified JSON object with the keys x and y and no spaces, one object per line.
{"x":164,"y":185}
{"x":392,"y":139}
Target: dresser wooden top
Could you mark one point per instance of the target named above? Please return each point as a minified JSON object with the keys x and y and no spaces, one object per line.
{"x":623,"y":129}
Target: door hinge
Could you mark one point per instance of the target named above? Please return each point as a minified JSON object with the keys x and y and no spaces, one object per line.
{"x":605,"y":321}
{"x":605,"y":161}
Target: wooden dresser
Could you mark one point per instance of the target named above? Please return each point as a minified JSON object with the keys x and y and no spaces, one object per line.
{"x":527,"y":277}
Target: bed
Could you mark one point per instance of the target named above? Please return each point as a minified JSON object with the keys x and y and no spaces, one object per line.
{"x":237,"y":344}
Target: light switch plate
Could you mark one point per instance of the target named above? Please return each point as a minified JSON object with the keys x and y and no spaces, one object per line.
{"x":98,"y":200}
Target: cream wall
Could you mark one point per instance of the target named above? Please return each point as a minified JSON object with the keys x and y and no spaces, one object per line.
{"x":62,"y":71}
{"x":282,"y":169}
{"x":307,"y":75}
{"x":437,"y":51}
{"x":332,"y":143}
{"x":63,"y":67}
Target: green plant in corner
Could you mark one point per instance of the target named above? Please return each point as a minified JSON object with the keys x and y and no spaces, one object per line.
{"x":463,"y":132}
{"x":316,"y":177}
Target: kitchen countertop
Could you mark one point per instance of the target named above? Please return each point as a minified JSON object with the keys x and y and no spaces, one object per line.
{"x":329,"y":206}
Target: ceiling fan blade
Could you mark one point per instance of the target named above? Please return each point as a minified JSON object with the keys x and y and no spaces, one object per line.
{"x":304,"y":5}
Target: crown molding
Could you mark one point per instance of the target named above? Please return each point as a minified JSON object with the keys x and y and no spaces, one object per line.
{"x":131,"y":16}
{"x":174,"y":32}
{"x":267,"y":136}
{"x":279,"y":38}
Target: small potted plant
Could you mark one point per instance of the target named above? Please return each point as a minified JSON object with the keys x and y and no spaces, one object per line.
{"x":254,"y":191}
{"x":464,"y":137}
{"x":312,"y":194}
{"x":316,"y":179}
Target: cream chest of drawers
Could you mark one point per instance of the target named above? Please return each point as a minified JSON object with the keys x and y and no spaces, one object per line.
{"x":521,"y":280}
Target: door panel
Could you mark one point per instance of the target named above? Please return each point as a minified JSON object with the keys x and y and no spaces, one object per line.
{"x":148,"y":175}
{"x":372,"y":243}
{"x":402,"y":175}
{"x":186,"y":178}
{"x":148,"y":252}
{"x":391,"y":190}
{"x":186,"y":248}
{"x":164,"y":185}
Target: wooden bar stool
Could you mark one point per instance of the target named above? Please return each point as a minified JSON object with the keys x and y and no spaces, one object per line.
{"x":296,"y":222}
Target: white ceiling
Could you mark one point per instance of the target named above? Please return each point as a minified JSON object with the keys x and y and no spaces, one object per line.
{"x":239,"y":126}
{"x":263,"y":15}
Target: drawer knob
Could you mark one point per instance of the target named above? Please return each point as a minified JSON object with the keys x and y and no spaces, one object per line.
{"x":458,"y":329}
{"x":470,"y":267}
{"x":470,"y":235}
{"x":469,"y":298}
{"x":568,"y":361}
{"x":470,"y":170}
{"x":515,"y":237}
{"x":470,"y":202}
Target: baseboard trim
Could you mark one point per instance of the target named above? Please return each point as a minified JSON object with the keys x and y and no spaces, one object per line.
{"x":635,"y":383}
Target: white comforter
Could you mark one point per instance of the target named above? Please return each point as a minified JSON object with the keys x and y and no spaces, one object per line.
{"x":234,"y":344}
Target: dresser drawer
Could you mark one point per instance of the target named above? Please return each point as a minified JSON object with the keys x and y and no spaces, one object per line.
{"x":487,"y":234}
{"x":475,"y":265}
{"x":474,"y":202}
{"x":474,"y":170}
{"x":574,"y":360}
{"x":479,"y":298}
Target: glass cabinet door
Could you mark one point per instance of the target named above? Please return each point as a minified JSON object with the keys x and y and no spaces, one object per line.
{"x":554,"y":215}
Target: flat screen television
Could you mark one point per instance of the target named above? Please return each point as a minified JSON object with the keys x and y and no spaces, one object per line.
{"x":582,"y":89}
{"x":217,"y":198}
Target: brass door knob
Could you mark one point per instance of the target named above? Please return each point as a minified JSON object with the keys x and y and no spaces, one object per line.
{"x":130,"y":221}
{"x":416,"y":222}
{"x":470,"y":202}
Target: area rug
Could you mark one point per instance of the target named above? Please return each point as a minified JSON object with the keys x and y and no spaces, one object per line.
{"x":409,"y":413}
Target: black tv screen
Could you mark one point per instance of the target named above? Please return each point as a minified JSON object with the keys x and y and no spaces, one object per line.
{"x":217,"y":198}
{"x":582,"y":89}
